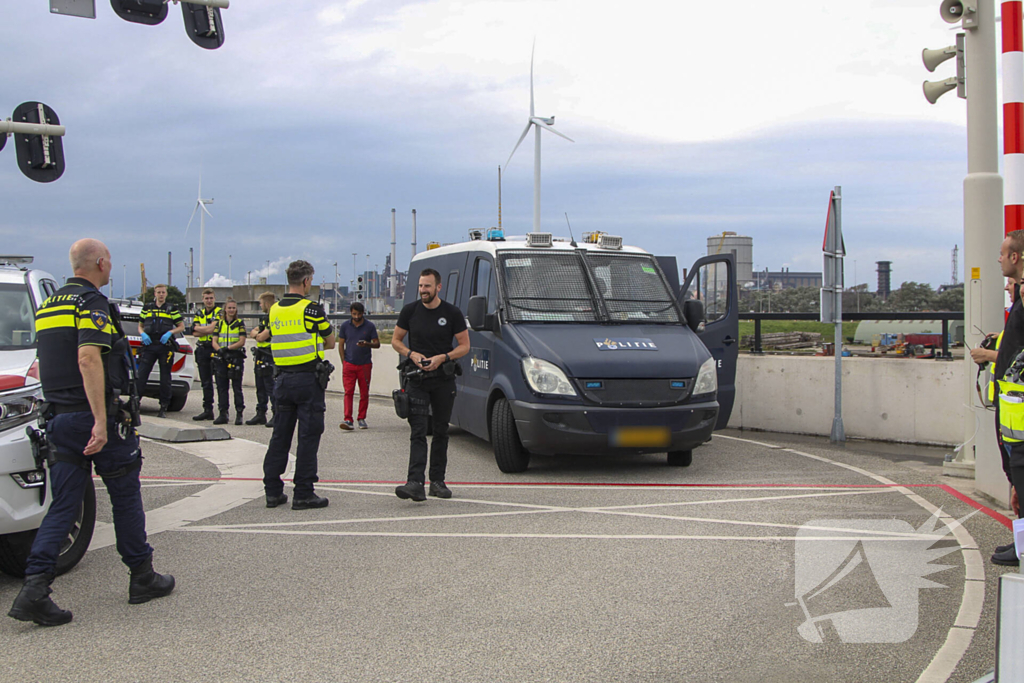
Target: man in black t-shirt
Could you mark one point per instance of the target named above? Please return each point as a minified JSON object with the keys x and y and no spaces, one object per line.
{"x":430,"y":324}
{"x":1011,"y":261}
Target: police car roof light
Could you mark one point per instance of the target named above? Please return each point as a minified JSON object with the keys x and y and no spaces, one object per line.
{"x":495,"y":235}
{"x":16,"y":260}
{"x":476,"y":234}
{"x":609,"y":242}
{"x":539,"y":239}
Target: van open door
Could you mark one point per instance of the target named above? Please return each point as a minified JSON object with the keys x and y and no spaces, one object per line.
{"x":712,"y":280}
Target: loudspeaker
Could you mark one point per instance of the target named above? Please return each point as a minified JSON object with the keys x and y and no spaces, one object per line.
{"x":932,"y":58}
{"x":953,"y":11}
{"x":933,"y":90}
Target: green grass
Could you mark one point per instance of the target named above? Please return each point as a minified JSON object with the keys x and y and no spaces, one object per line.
{"x":827,"y":330}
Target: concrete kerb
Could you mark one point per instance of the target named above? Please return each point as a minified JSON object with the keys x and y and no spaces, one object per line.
{"x":173,"y":434}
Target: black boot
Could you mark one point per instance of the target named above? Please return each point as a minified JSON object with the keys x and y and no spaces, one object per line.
{"x":163,"y":411}
{"x":34,"y":604}
{"x":207,"y":414}
{"x":146,"y":584}
{"x":238,"y":418}
{"x":260,"y":418}
{"x":270,"y":422}
{"x":222,"y":419}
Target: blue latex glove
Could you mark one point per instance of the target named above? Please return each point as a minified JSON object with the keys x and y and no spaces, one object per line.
{"x":146,"y":341}
{"x":167,"y":335}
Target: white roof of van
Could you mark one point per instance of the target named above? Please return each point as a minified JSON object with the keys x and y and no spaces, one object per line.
{"x":519,"y":242}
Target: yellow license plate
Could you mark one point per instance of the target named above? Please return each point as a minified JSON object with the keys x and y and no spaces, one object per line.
{"x":640,"y":437}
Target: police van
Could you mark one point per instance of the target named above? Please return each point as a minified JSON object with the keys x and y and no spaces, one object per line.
{"x":588,"y":348}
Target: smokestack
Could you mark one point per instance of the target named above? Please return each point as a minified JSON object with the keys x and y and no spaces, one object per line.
{"x":168,"y":269}
{"x":413,"y":233}
{"x":191,"y":266}
{"x":391,"y":274}
{"x":884,"y":279}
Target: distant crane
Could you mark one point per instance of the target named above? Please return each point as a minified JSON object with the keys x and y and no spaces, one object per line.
{"x":956,"y":262}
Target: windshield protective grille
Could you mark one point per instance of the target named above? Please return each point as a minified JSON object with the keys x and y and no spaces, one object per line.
{"x":633,"y":288}
{"x":546,"y":287}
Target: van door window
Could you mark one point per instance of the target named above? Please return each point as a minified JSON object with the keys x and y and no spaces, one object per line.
{"x":449,"y":290}
{"x":483,"y":283}
{"x":711,"y":286}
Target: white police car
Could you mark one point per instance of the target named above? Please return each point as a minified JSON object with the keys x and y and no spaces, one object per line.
{"x":24,"y":495}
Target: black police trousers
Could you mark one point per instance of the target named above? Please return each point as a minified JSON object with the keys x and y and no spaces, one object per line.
{"x":430,"y":401}
{"x":223,"y":379}
{"x":300,"y":400}
{"x":264,"y":380}
{"x":204,"y":364}
{"x":148,"y":357}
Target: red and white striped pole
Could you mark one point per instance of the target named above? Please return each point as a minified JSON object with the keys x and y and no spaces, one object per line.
{"x":1013,"y":116}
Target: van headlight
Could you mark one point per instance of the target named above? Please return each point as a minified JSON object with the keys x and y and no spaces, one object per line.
{"x":19,"y":407}
{"x":707,"y":379}
{"x":546,"y":378}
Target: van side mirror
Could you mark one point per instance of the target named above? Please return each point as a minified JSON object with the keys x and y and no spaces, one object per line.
{"x":477,"y":312}
{"x":693,"y":311}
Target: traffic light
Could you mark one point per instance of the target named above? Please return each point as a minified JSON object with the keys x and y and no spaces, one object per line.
{"x":202,"y":17}
{"x":203,"y":25}
{"x":150,"y":12}
{"x":37,"y":141}
{"x":359,"y":288}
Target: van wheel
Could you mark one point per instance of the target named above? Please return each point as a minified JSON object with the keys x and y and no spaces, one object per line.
{"x":680,"y":458}
{"x":14,"y":548}
{"x":508,"y":449}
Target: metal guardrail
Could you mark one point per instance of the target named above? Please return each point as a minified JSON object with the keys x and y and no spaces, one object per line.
{"x":944,"y":316}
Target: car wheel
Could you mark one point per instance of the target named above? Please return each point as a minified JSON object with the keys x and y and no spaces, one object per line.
{"x":177,"y":402}
{"x":14,"y":548}
{"x":508,"y":449}
{"x":680,"y":458}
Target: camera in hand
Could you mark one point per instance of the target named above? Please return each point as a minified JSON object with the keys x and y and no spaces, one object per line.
{"x":425,"y":362}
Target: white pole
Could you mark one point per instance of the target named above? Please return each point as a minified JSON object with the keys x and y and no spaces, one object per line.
{"x":536,"y":177}
{"x":838,"y":431}
{"x":983,"y":233}
{"x":202,"y":246}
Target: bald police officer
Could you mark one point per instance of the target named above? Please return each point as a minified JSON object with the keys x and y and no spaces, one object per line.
{"x":83,"y":369}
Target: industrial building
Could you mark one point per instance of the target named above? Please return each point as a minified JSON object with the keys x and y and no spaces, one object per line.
{"x":742,"y":250}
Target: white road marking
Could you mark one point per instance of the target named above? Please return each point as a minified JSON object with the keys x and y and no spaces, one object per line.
{"x":238,"y":460}
{"x":960,"y":635}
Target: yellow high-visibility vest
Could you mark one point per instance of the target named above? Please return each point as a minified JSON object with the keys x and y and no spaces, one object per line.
{"x":290,"y":342}
{"x":992,"y":370}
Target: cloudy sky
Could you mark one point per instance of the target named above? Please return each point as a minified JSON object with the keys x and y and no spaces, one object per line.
{"x":316,"y":118}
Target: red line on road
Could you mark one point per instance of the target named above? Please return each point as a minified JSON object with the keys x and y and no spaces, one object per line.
{"x":1005,"y":521}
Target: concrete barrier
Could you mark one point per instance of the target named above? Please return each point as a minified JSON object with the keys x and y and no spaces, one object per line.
{"x":904,"y":400}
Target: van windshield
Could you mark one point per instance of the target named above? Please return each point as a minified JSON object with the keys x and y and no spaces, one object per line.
{"x":17,"y":318}
{"x":564,"y":286}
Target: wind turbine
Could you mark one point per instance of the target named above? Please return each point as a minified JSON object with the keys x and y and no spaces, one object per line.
{"x":201,"y":204}
{"x":541,"y":124}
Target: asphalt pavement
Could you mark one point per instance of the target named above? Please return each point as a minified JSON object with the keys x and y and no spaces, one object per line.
{"x":770,"y":558}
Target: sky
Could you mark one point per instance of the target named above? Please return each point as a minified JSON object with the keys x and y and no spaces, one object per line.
{"x":316,"y":118}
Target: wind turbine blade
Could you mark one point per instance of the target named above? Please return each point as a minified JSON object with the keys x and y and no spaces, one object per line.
{"x":211,"y":215}
{"x":194,"y":209}
{"x":532,"y":50}
{"x":521,"y":138}
{"x":552,"y":129}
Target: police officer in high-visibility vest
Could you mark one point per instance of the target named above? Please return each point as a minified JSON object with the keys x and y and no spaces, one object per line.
{"x":158,"y":323}
{"x":229,"y":362}
{"x":300,"y":334}
{"x":1010,"y":403}
{"x":204,"y":326}
{"x":263,"y":363}
{"x":84,"y":369}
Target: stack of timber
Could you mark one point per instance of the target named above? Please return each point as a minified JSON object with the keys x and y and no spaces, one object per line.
{"x":784,"y":341}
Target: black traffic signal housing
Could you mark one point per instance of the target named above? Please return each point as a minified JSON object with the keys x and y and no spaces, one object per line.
{"x":150,"y":12}
{"x":40,"y":157}
{"x":203,"y":25}
{"x":359,"y":288}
